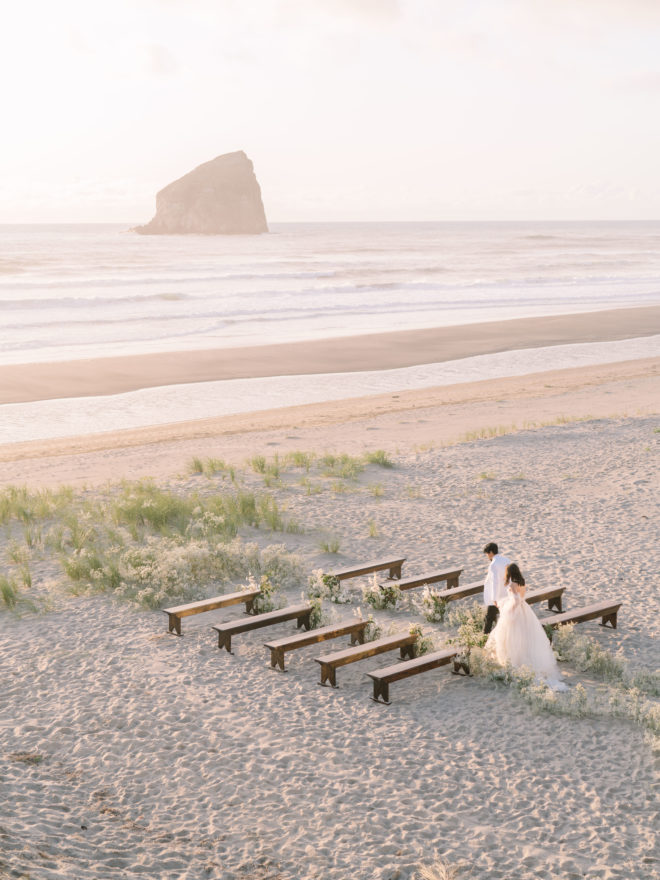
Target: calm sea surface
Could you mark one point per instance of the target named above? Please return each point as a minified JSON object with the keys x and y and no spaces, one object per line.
{"x":70,"y":292}
{"x":77,"y":291}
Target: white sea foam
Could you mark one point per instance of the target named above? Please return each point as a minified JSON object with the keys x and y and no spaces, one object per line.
{"x":172,"y":403}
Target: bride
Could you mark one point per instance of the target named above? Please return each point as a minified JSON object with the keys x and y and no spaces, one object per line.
{"x":518,"y":637}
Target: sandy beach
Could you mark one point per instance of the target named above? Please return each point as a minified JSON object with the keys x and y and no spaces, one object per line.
{"x":396,"y":316}
{"x":406,"y":421}
{"x":129,"y":752}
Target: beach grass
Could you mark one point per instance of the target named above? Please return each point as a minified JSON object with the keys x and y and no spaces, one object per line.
{"x":331,"y":545}
{"x":142,"y":541}
{"x":372,"y":529}
{"x":379,"y":457}
{"x":345,"y":467}
{"x":8,"y":591}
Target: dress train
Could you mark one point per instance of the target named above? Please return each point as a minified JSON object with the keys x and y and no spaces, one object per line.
{"x":519,"y":639}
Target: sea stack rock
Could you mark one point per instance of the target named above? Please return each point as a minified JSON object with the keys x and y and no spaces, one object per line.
{"x":220,"y":197}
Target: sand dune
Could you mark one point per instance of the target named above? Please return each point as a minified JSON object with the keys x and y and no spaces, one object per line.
{"x":164,"y":757}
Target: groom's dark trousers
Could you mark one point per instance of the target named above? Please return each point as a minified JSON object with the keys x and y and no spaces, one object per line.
{"x":492,"y":613}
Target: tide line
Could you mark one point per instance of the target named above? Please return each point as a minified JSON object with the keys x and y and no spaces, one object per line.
{"x":68,"y":417}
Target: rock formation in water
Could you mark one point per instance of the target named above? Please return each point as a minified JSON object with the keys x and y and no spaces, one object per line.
{"x":220,"y":197}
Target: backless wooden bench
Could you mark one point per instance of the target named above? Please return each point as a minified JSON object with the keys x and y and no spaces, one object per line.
{"x":175,"y":614}
{"x":392,"y":563}
{"x":382,"y":678}
{"x":354,"y":628}
{"x":462,"y":592}
{"x":451,"y":575}
{"x":330,"y":662}
{"x":606,"y":610}
{"x":553,"y":595}
{"x":299,"y":613}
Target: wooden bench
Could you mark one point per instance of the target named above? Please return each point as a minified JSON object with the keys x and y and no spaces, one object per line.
{"x":606,"y":610}
{"x":175,"y":614}
{"x":354,"y":628}
{"x":463,"y":591}
{"x":450,"y":575}
{"x":382,"y":678}
{"x":330,"y":662}
{"x":553,"y":595}
{"x":393,"y":564}
{"x":299,"y":613}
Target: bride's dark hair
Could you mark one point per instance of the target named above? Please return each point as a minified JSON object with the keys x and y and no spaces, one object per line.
{"x":514,"y":575}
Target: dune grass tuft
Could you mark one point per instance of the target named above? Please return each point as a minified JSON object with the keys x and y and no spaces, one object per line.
{"x":8,"y":591}
{"x":331,"y":545}
{"x":379,"y":457}
{"x":345,"y":467}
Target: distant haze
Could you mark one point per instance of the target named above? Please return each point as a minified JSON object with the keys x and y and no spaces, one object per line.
{"x":349,"y":109}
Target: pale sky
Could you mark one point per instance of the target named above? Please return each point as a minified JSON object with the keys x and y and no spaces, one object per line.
{"x":349,"y":109}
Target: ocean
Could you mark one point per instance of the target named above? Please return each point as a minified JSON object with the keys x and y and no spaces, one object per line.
{"x":77,"y":291}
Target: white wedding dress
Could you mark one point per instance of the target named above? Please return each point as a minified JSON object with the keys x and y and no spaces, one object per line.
{"x":519,"y":639}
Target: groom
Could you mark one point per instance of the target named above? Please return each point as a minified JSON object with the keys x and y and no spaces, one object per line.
{"x":494,"y":590}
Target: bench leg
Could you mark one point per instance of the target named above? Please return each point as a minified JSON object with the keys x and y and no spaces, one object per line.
{"x":357,"y":638}
{"x":395,"y":571}
{"x":304,"y":619}
{"x":609,"y":618}
{"x":555,"y":604}
{"x":224,"y":641}
{"x":407,"y":652}
{"x":328,"y":674}
{"x":174,"y":624}
{"x":461,"y":667}
{"x":452,"y":583}
{"x":382,"y":691}
{"x":277,"y":658}
{"x":249,"y":606}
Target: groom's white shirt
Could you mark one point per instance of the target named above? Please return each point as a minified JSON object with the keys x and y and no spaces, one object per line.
{"x":494,"y":589}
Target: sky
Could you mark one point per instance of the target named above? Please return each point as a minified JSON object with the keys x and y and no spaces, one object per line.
{"x":349,"y":109}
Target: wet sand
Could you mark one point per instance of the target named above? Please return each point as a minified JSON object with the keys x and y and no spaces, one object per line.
{"x":378,"y":351}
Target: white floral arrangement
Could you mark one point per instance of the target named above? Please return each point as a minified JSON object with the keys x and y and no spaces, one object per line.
{"x":327,"y":586}
{"x":372,"y":630}
{"x":430,"y":604}
{"x":381,"y":597}
{"x":423,"y":643}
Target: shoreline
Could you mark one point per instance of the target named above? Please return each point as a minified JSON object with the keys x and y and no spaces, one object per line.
{"x":411,"y":419}
{"x":24,"y":383}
